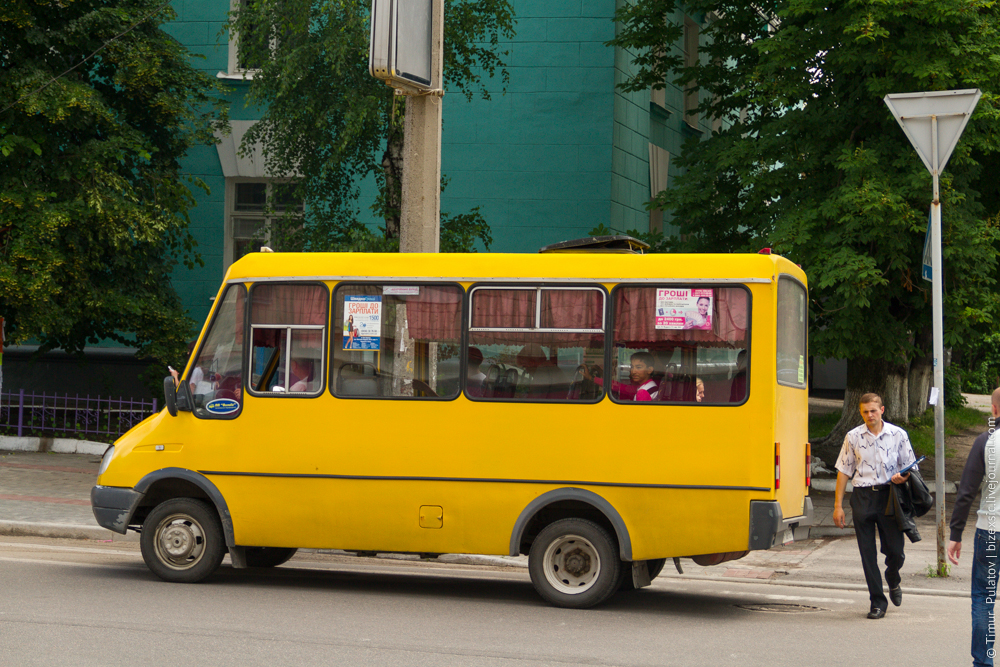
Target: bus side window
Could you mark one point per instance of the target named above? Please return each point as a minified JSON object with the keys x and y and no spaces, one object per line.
{"x":288,"y":325}
{"x":681,"y":344}
{"x":536,"y":343}
{"x":792,"y":331}
{"x":396,"y":341}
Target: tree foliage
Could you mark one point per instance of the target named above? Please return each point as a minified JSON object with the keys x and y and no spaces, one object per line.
{"x":811,"y":162}
{"x":328,"y":124}
{"x":97,"y":107}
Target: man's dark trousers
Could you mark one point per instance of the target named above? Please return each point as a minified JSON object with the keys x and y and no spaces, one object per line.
{"x":868,"y":507}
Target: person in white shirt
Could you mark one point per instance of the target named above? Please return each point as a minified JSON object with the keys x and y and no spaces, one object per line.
{"x":872,"y":456}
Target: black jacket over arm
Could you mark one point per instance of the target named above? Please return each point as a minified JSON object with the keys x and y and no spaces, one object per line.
{"x":907,"y":501}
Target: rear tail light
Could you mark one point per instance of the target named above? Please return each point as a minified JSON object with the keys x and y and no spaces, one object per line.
{"x":808,"y":465}
{"x":777,"y":465}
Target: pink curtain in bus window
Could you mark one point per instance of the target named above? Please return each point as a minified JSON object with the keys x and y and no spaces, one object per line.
{"x":435,"y":314}
{"x":288,"y":304}
{"x":730,"y":313}
{"x":503,"y":308}
{"x":635,"y":319}
{"x":572,"y":309}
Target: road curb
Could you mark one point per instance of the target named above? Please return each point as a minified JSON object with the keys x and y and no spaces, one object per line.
{"x":57,"y":530}
{"x":811,"y":584}
{"x":11,"y":443}
{"x":830,"y":531}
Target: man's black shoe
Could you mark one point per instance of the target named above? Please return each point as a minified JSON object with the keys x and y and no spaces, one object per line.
{"x":876,"y":613}
{"x":896,"y":595}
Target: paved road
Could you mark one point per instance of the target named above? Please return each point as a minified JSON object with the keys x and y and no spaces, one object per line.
{"x":72,"y":602}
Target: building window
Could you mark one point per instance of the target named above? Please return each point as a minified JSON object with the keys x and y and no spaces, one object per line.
{"x":238,"y":64}
{"x":691,"y":32}
{"x":252,"y":207}
{"x":659,"y":165}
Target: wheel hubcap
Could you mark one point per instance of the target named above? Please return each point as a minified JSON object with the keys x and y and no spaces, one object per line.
{"x":572,"y":564}
{"x":180,"y":542}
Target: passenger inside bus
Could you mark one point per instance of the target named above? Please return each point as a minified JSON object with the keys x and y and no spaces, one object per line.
{"x":544,"y":377}
{"x":642,"y":388}
{"x":474,"y":376}
{"x":302,"y":375}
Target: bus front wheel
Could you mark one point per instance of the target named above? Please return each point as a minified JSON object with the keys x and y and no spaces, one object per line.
{"x":574,"y":563}
{"x":181,"y":540}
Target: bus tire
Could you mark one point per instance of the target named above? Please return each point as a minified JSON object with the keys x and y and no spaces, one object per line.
{"x":655,"y":566}
{"x":181,"y":540}
{"x":574,"y":563}
{"x":268,"y":556}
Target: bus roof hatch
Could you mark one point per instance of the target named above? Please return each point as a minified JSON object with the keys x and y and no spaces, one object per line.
{"x":603,"y":244}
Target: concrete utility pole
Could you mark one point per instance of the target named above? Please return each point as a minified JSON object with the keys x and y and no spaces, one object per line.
{"x":420,"y":223}
{"x":406,"y":51}
{"x":933,"y":122}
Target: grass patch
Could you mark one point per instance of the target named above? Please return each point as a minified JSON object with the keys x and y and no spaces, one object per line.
{"x":956,"y":422}
{"x":821,"y":425}
{"x":933,"y":571}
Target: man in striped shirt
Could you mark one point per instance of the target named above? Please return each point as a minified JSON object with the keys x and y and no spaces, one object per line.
{"x":871,"y":458}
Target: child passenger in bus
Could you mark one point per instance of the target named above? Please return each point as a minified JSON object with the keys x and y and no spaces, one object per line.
{"x":643,"y":387}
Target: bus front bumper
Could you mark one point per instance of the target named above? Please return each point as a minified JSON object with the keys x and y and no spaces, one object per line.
{"x":114,"y":506}
{"x":769,"y":528}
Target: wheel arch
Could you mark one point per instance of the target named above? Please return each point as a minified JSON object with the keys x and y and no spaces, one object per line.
{"x":168,"y":483}
{"x":564,"y":503}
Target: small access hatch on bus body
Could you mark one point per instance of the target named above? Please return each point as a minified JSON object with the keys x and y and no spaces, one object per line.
{"x":431,"y":516}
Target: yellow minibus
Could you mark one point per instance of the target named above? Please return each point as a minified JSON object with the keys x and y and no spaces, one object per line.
{"x":599,"y":413}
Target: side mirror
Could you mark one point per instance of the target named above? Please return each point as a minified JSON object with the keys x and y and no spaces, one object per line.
{"x":170,"y":395}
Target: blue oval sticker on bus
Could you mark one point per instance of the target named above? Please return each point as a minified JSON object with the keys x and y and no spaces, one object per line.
{"x":222,"y":406}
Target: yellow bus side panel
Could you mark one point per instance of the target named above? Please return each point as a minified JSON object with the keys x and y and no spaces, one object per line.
{"x":791,"y":422}
{"x":478,"y":517}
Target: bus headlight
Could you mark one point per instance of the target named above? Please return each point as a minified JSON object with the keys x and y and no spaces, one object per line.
{"x":110,"y":452}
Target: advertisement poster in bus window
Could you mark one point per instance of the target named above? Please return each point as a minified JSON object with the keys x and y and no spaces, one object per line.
{"x":362,"y":322}
{"x":684,"y":308}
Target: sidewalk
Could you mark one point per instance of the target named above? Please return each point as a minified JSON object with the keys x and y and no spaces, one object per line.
{"x":48,"y":495}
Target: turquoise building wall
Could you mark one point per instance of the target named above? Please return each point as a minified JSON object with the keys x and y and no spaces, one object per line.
{"x":199,"y":26}
{"x":561,"y":152}
{"x":537,"y":160}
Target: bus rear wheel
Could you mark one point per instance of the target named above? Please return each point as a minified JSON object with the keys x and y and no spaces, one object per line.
{"x":574,"y":563}
{"x":268,"y":556}
{"x":181,"y":540}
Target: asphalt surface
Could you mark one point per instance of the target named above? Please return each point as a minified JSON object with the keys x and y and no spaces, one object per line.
{"x":68,"y":602}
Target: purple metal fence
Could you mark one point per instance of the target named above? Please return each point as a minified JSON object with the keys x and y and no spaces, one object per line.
{"x":103,"y":416}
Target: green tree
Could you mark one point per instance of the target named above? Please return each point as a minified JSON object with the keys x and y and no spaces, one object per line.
{"x":811,"y":163}
{"x":97,"y":107}
{"x":329,"y":125}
